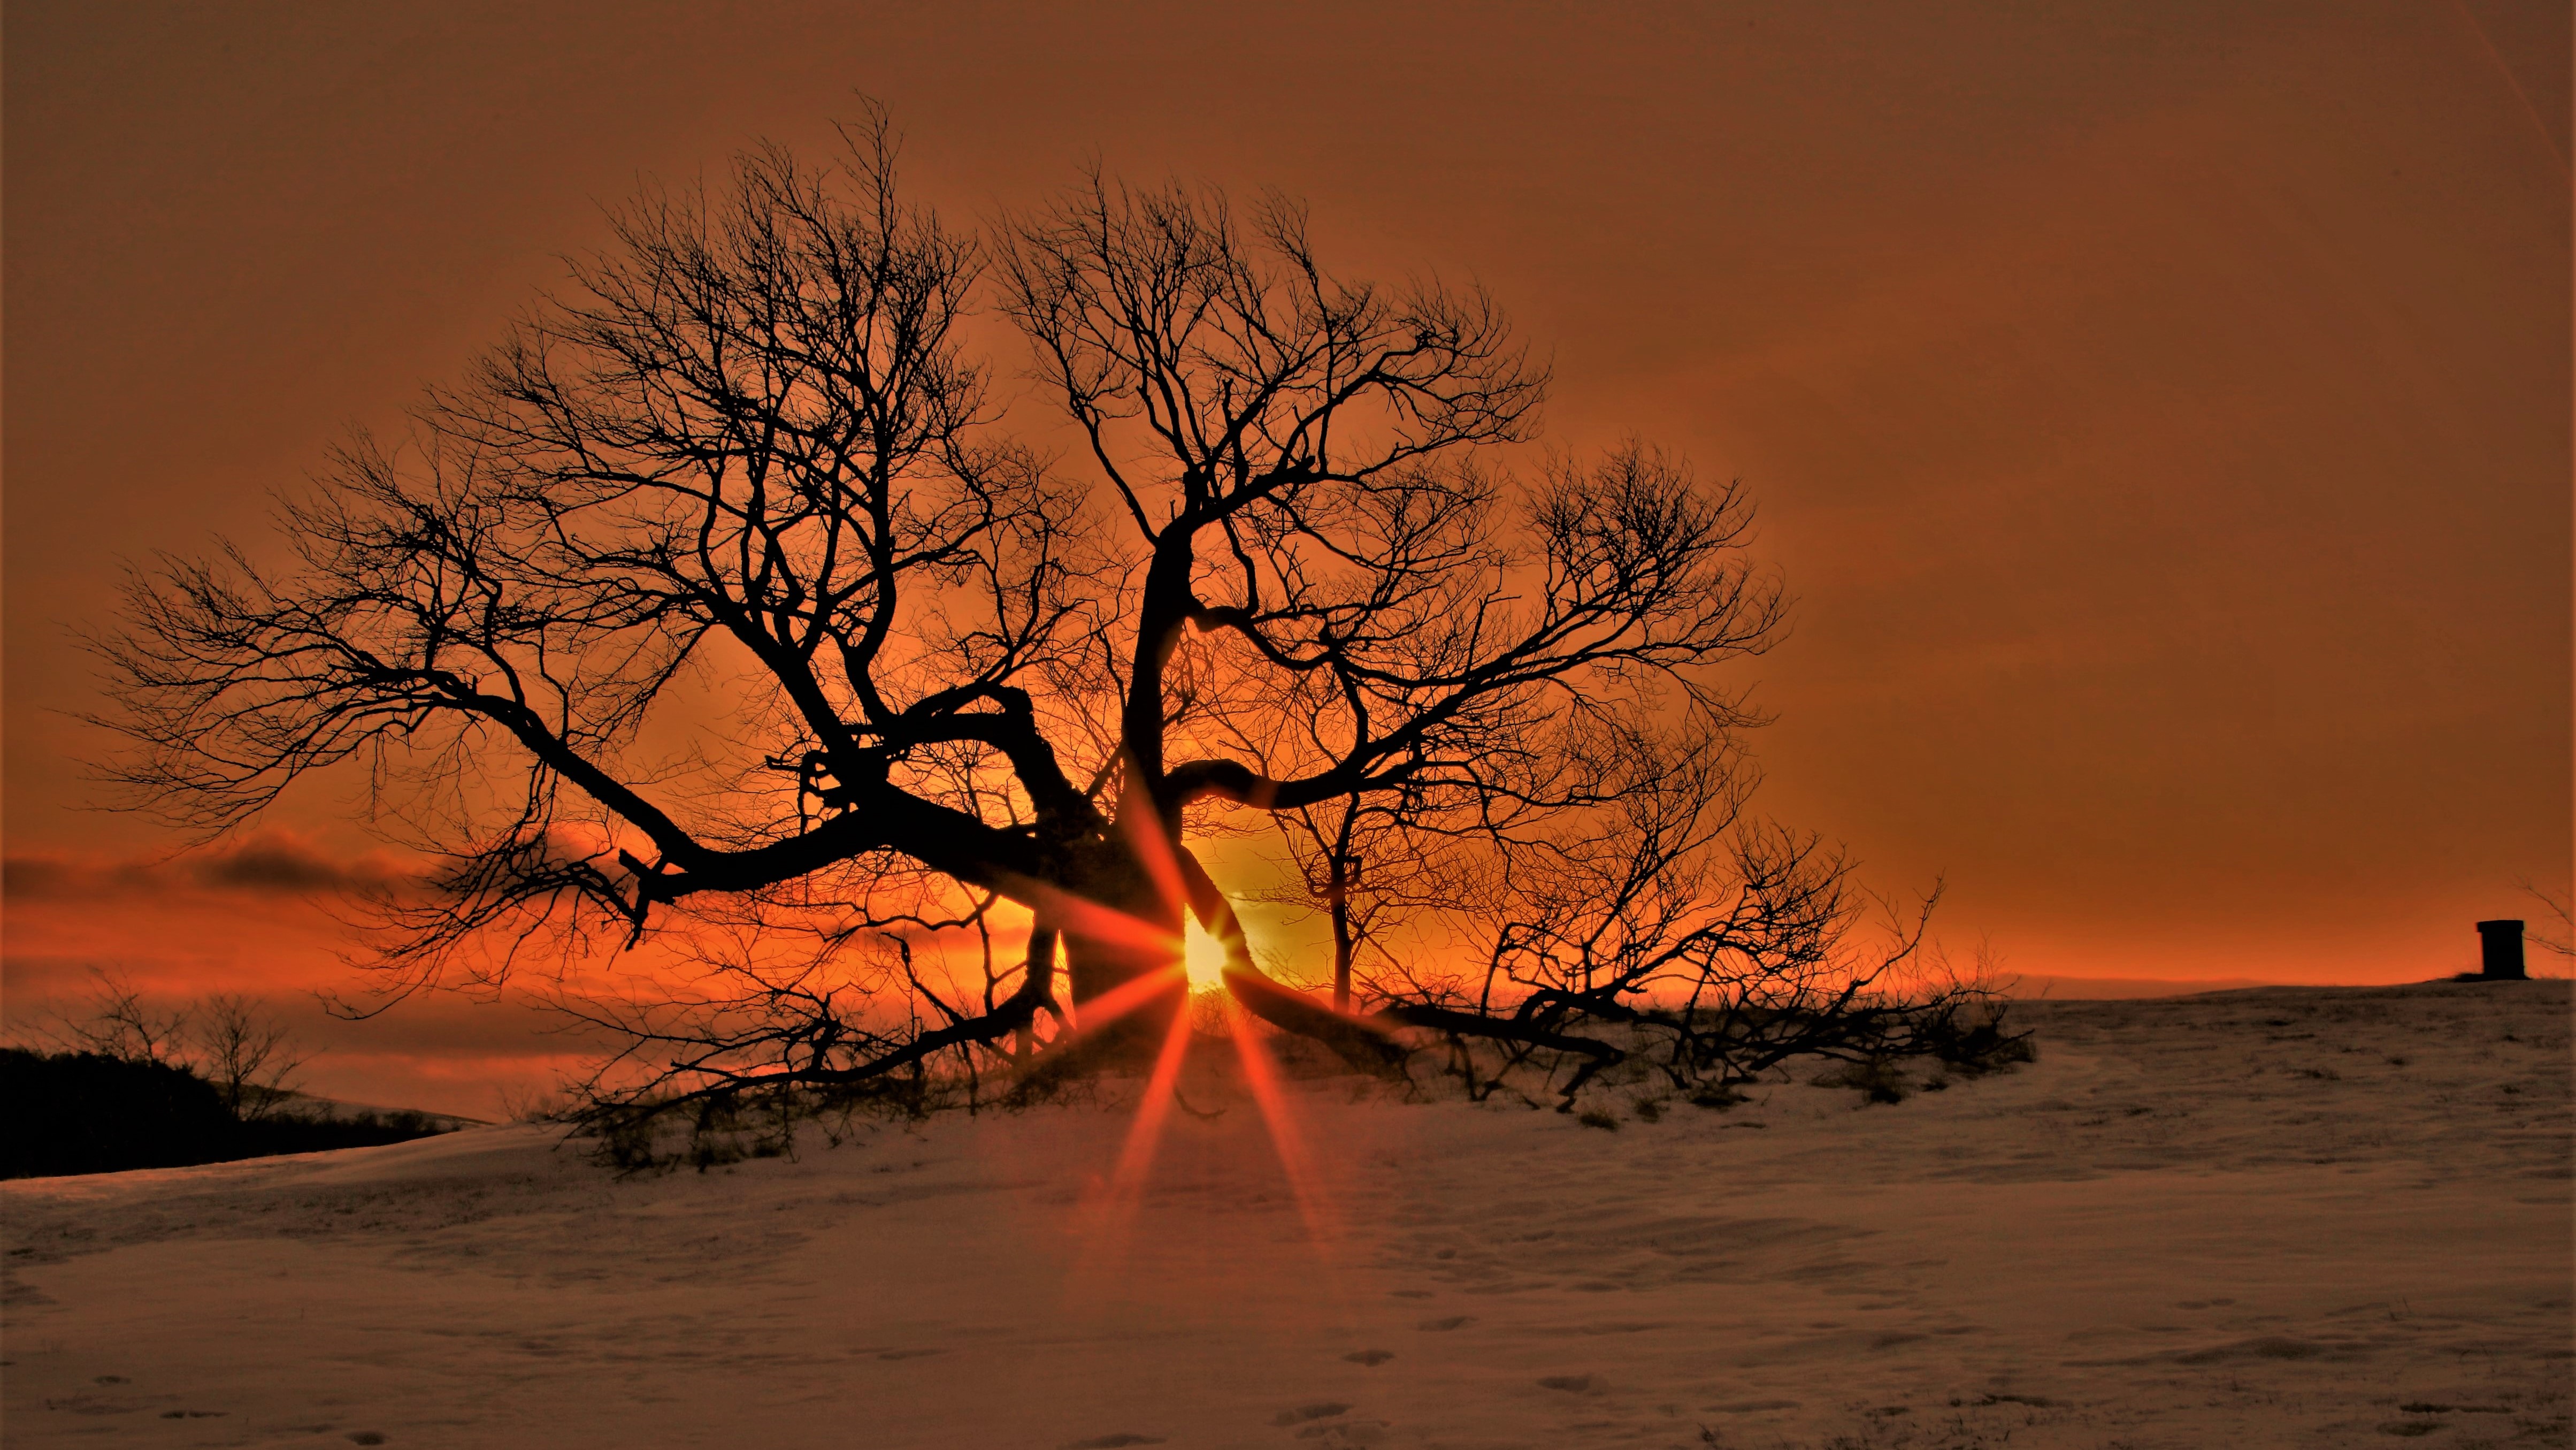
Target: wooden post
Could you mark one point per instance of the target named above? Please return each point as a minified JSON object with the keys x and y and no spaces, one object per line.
{"x":2500,"y":951}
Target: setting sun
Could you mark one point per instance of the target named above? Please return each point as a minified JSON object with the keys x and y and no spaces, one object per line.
{"x":1204,"y":955}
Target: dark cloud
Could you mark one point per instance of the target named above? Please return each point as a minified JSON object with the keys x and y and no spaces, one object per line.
{"x":66,"y":877}
{"x":281,"y":863}
{"x":272,"y":863}
{"x":36,"y":878}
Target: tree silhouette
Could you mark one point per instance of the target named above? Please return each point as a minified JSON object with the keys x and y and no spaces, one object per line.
{"x":717,"y":608}
{"x":1366,"y":866}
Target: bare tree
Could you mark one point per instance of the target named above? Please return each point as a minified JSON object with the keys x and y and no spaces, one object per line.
{"x":115,"y":1020}
{"x":1365,"y":866}
{"x":742,"y":482}
{"x":1668,"y":925}
{"x":248,"y":1055}
{"x":228,"y":1039}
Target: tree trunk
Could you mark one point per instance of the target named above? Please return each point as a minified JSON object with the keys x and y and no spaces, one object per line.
{"x":1341,"y":902}
{"x":1124,"y":929}
{"x":1038,"y":979}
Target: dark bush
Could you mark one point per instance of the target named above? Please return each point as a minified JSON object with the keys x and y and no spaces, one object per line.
{"x":1973,"y":1043}
{"x":87,"y":1113}
{"x":84,"y":1113}
{"x":1876,"y":1079}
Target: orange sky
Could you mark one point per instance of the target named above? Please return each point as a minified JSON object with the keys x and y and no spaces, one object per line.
{"x":2160,"y":410}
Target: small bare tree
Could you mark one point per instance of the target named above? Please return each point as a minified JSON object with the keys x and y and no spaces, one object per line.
{"x":114,"y":1019}
{"x":1369,"y":865}
{"x":248,"y":1055}
{"x":229,"y":1039}
{"x":1666,"y":924}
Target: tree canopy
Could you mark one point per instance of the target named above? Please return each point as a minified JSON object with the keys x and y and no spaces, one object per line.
{"x":721,"y":605}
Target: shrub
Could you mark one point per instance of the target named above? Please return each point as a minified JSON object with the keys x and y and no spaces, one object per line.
{"x":86,"y":1112}
{"x":1876,"y":1079}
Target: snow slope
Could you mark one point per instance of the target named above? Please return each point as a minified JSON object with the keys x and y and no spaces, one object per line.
{"x":2286,"y":1216}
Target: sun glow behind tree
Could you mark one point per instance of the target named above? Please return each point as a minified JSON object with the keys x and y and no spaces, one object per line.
{"x":1204,"y":956}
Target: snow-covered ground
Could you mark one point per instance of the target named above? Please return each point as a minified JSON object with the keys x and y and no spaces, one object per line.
{"x":2279,"y":1217}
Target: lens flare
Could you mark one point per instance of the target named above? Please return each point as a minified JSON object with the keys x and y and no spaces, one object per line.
{"x":1278,"y":1115}
{"x":1078,"y":916}
{"x":1136,"y":1159}
{"x":1126,"y":997}
{"x":1211,"y":945}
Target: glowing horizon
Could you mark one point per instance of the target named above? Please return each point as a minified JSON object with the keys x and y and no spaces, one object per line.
{"x":2092,"y":393}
